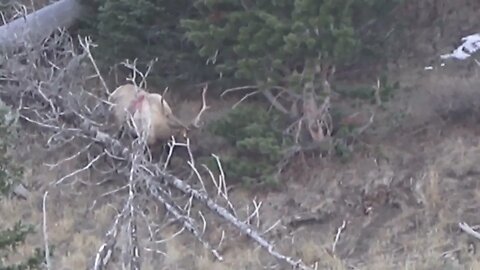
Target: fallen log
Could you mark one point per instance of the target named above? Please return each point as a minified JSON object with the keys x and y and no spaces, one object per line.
{"x":38,"y":25}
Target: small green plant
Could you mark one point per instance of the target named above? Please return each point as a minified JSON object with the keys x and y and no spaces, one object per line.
{"x":257,"y":139}
{"x":10,"y":239}
{"x":10,"y":173}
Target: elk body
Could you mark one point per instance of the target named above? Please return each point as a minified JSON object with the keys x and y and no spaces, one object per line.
{"x":152,"y":115}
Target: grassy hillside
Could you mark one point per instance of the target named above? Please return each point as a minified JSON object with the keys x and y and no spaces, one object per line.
{"x":395,"y":203}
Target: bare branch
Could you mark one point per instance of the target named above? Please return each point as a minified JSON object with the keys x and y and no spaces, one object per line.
{"x":105,"y":252}
{"x":86,"y":46}
{"x":337,"y":235}
{"x":246,"y":87}
{"x":45,"y":234}
{"x":277,"y":105}
{"x":196,"y":121}
{"x":38,"y":25}
{"x":89,"y":165}
{"x":469,"y":230}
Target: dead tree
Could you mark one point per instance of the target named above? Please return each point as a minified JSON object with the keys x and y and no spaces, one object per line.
{"x":36,"y":26}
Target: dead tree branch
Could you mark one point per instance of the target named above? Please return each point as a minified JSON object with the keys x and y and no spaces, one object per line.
{"x":105,"y":252}
{"x":38,"y":25}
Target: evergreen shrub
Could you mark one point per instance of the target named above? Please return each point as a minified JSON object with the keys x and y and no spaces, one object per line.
{"x":256,"y":137}
{"x":145,"y":30}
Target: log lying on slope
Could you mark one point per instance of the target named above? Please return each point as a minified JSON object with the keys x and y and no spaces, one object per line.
{"x":39,"y":24}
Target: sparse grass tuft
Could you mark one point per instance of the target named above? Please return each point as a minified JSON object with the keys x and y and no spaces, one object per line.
{"x":440,"y":96}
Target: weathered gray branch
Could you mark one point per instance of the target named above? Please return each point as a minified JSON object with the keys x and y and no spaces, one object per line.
{"x":39,"y":24}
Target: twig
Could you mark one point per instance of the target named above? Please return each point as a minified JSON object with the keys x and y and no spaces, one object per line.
{"x":221,"y":183}
{"x":59,"y":181}
{"x":377,"y":88}
{"x":86,"y":46}
{"x":244,"y":98}
{"x":205,"y":107}
{"x":277,"y":105}
{"x":273,"y":226}
{"x":469,"y":230}
{"x":267,"y":93}
{"x":51,"y":166}
{"x":45,"y":234}
{"x":337,"y":236}
{"x":255,"y":213}
{"x":246,"y":87}
{"x":363,"y":128}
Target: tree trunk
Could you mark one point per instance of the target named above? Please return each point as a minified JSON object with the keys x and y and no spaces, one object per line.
{"x":40,"y":24}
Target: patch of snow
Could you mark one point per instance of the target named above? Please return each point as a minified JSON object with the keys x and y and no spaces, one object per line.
{"x":471,"y":44}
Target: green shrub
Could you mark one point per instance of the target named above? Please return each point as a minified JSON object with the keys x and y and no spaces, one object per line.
{"x":257,"y":140}
{"x":145,"y":29}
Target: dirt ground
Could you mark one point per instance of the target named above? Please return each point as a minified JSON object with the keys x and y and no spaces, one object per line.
{"x":400,"y":196}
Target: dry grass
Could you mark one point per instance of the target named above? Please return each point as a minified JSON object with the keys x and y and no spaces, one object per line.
{"x":437,"y":96}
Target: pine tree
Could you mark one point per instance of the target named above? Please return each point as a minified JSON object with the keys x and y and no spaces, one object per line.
{"x":267,"y":41}
{"x":146,"y":30}
{"x":257,"y":138}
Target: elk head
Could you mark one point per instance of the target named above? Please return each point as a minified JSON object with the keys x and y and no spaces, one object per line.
{"x":183,"y":129}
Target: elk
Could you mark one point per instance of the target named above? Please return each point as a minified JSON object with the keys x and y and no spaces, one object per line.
{"x":151,"y":114}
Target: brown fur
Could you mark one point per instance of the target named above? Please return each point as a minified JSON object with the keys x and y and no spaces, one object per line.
{"x":151,"y":113}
